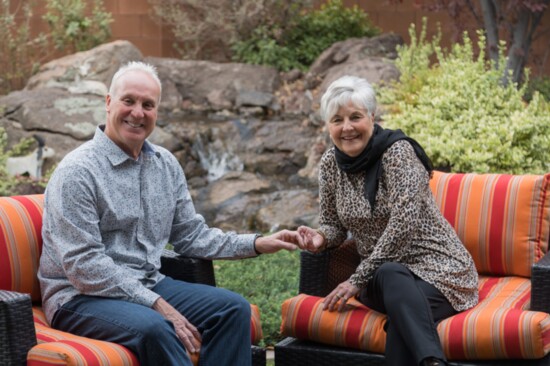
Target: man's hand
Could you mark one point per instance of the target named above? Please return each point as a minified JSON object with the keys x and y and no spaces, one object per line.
{"x":285,"y":239}
{"x":313,"y":240}
{"x":187,"y":333}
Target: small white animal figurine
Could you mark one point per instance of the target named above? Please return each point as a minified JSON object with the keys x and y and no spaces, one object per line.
{"x":30,"y":164}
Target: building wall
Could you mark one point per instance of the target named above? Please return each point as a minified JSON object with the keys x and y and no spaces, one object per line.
{"x":133,"y":22}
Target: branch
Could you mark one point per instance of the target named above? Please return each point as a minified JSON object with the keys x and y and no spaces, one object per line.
{"x":472,"y":9}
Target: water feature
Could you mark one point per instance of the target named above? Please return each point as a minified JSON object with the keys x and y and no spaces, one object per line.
{"x":217,"y":154}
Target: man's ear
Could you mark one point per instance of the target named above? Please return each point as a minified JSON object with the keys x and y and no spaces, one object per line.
{"x":108,"y":103}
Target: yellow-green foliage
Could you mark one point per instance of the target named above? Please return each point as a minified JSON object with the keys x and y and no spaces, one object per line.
{"x":461,"y":112}
{"x":6,"y":182}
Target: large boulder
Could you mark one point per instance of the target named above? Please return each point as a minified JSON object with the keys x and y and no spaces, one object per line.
{"x":209,"y":86}
{"x":88,"y":71}
{"x":55,"y":110}
{"x":353,"y":51}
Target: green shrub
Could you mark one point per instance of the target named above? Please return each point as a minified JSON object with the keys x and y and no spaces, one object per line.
{"x":20,"y":52}
{"x":459,"y":110}
{"x":265,"y":281}
{"x":205,"y":29}
{"x":541,"y":85}
{"x":72,"y":30}
{"x":305,"y":38}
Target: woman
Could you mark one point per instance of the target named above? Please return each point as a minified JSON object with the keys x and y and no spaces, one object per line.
{"x":374,"y":184}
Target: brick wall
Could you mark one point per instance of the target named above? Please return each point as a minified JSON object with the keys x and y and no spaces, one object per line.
{"x":132,"y":21}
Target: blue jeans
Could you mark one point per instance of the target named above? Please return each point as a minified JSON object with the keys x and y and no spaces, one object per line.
{"x":221,"y":316}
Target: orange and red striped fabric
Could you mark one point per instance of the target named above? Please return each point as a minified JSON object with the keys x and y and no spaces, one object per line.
{"x":20,"y":243}
{"x":503,"y":220}
{"x":20,"y":249}
{"x":358,"y":327}
{"x":499,"y":327}
{"x":256,"y":333}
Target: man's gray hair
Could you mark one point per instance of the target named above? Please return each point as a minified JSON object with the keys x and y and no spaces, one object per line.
{"x":132,"y":66}
{"x":342,"y":91}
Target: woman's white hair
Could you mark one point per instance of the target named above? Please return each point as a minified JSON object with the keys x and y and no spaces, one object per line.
{"x":342,"y":91}
{"x":133,"y":66}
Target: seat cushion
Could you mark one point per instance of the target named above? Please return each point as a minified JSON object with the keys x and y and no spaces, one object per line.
{"x":499,"y":327}
{"x":503,"y":220}
{"x":20,"y":243}
{"x":61,"y":348}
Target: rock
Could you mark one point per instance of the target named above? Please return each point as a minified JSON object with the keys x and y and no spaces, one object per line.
{"x":291,"y":76}
{"x":205,"y":85}
{"x":77,"y":70}
{"x":55,"y":110}
{"x":288,"y":210}
{"x":375,"y":69}
{"x":350,"y":51}
{"x":164,"y":139}
{"x":253,"y":98}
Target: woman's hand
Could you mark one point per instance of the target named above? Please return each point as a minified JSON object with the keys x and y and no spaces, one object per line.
{"x":342,"y":293}
{"x":313,"y":240}
{"x":187,"y":333}
{"x":284,"y":239}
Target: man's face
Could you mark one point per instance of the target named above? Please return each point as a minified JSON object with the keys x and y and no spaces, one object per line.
{"x":132,"y":111}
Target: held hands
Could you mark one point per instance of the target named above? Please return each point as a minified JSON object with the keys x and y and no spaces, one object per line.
{"x":187,"y":333}
{"x":342,"y":293}
{"x":284,"y":239}
{"x":313,"y":241}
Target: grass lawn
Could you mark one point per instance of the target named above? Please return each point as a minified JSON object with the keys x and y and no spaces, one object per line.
{"x":265,"y":281}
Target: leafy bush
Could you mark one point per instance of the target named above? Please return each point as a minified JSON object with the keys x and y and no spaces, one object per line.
{"x":20,"y":53}
{"x":265,"y":281}
{"x":205,"y":29}
{"x":72,"y":30}
{"x":541,"y":85}
{"x":304,"y":38}
{"x":459,"y":110}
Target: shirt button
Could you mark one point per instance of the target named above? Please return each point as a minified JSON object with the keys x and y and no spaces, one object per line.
{"x":148,"y":267}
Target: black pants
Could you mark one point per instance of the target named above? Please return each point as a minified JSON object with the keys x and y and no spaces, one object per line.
{"x":413,"y":307}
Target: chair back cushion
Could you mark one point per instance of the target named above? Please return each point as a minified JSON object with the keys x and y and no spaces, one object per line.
{"x":20,"y":243}
{"x":503,"y":220}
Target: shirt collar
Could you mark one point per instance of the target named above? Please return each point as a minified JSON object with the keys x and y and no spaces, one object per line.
{"x":114,"y":153}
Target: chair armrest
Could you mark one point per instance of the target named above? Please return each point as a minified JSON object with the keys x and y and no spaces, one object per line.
{"x":187,"y":269}
{"x":540,"y":285}
{"x":320,"y":273}
{"x":17,"y":334}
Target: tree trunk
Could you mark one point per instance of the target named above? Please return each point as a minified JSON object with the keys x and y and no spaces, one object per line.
{"x":491,"y":28}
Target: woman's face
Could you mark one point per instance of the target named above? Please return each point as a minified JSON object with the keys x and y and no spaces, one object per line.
{"x":350,"y":129}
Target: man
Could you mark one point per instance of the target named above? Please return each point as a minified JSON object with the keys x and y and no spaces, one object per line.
{"x":110,"y":208}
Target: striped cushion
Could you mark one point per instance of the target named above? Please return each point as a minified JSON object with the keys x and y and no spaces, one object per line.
{"x":503,"y":220}
{"x":256,"y":333}
{"x":60,"y":348}
{"x":359,"y":327}
{"x":20,"y":243}
{"x":499,"y":327}
{"x":20,"y":248}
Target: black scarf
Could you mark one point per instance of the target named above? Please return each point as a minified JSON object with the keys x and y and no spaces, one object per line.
{"x":370,"y":158}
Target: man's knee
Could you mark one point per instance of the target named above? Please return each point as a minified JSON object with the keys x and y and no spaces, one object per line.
{"x":240,"y":305}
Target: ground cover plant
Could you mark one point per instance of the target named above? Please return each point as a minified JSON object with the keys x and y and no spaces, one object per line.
{"x":265,"y":281}
{"x":459,"y":109}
